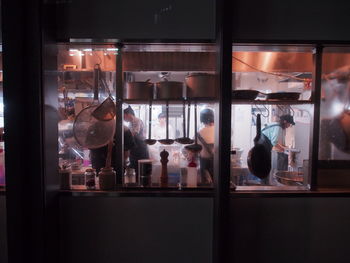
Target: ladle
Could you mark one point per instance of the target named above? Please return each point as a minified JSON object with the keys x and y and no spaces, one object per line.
{"x":195,"y":147}
{"x":167,"y":141}
{"x":150,"y":141}
{"x":185,"y":139}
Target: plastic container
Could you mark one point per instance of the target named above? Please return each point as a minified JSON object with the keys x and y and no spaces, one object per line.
{"x":192,"y":174}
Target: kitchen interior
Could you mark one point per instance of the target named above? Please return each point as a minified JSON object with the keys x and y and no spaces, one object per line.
{"x":174,"y":81}
{"x":269,"y":81}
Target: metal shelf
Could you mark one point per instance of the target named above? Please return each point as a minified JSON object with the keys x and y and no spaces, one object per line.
{"x":171,"y":101}
{"x":272,"y":102}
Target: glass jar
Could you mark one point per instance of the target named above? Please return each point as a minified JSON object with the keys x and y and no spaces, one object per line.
{"x":129,"y":176}
{"x":90,"y":181}
{"x":107,"y":178}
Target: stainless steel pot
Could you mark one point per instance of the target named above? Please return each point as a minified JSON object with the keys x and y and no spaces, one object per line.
{"x":169,"y":90}
{"x":139,"y":90}
{"x":201,"y":85}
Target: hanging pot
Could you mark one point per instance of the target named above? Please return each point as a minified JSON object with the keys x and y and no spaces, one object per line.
{"x":169,"y":90}
{"x":139,"y":90}
{"x":201,"y":85}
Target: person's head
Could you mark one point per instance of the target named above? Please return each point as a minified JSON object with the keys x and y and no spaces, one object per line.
{"x":129,"y":114}
{"x":207,"y":116}
{"x":162,"y":118}
{"x":286,"y":121}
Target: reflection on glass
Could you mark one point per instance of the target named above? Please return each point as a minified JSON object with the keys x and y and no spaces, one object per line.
{"x":335,"y":105}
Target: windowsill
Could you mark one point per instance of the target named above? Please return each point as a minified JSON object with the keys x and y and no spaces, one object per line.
{"x":141,"y":192}
{"x":319,"y":192}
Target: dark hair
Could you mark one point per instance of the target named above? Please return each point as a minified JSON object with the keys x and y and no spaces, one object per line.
{"x":129,"y":110}
{"x":207,"y":116}
{"x":161,"y":115}
{"x":288,"y":118}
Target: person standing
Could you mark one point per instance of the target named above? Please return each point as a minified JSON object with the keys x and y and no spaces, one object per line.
{"x":98,"y":156}
{"x":159,"y":131}
{"x":276,"y":133}
{"x":137,"y":128}
{"x":206,"y":137}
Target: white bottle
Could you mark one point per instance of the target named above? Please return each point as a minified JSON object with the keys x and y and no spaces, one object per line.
{"x":192,"y":174}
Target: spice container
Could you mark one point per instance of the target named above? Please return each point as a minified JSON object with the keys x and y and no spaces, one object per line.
{"x":65,"y":178}
{"x":129,"y":176}
{"x":90,"y":181}
{"x":107,"y":178}
{"x":145,"y":172}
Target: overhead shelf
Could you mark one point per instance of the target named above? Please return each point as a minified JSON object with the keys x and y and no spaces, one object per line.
{"x":272,"y":102}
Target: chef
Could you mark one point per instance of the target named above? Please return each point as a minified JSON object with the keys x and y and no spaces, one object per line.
{"x":136,"y":126}
{"x":276,"y":133}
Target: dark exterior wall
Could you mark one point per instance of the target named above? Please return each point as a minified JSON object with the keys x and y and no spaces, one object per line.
{"x":3,"y":237}
{"x":290,"y":230}
{"x":101,"y":229}
{"x":271,"y":20}
{"x":135,"y":229}
{"x":134,"y":19}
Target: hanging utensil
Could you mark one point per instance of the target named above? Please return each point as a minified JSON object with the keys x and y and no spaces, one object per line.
{"x":150,"y":141}
{"x":259,"y":157}
{"x":184,"y":139}
{"x":105,"y":111}
{"x":195,"y":147}
{"x":167,"y":141}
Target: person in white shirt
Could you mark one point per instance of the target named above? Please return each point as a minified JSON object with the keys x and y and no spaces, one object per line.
{"x":206,"y":137}
{"x":159,"y":131}
{"x":136,"y":126}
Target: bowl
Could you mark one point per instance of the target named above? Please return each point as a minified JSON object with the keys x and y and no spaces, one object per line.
{"x":290,"y":178}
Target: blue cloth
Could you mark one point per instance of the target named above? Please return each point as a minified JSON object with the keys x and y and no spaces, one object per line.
{"x":273,"y":132}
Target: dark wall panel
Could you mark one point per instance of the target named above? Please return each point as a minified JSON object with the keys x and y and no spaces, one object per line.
{"x":290,"y":230}
{"x":291,"y":20}
{"x":136,"y":230}
{"x":3,"y":237}
{"x":134,"y":19}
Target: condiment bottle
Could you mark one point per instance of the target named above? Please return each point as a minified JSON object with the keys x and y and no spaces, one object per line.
{"x":107,"y":178}
{"x":90,"y":181}
{"x":192,"y":174}
{"x":65,"y":178}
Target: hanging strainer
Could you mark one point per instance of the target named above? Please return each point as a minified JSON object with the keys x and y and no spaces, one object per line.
{"x":91,"y":132}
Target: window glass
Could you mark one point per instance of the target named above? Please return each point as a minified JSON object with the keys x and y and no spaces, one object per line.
{"x":273,"y":84}
{"x":335,"y":105}
{"x":168,"y":98}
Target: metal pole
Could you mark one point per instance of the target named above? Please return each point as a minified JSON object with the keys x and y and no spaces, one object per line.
{"x":222,"y":134}
{"x":315,"y":131}
{"x":119,"y":137}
